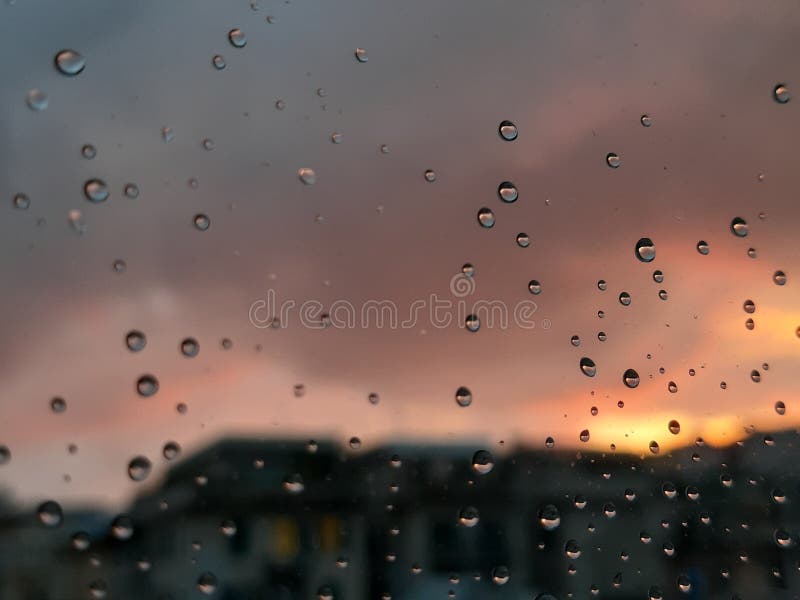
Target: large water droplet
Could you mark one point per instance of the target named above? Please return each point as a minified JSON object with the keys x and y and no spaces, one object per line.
{"x":630,"y":378}
{"x":482,"y":462}
{"x":739,"y":227}
{"x":507,"y":192}
{"x":70,"y":62}
{"x":645,"y":250}
{"x":486,"y":217}
{"x":588,"y":367}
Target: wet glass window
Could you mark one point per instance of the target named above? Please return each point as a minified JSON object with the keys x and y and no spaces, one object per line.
{"x":399,"y":300}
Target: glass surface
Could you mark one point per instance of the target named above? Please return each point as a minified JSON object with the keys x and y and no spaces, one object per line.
{"x":369,"y":300}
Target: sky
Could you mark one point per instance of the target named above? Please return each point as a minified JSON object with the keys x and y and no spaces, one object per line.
{"x":574,"y":77}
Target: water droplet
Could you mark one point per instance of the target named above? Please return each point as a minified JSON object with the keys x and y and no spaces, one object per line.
{"x":523,"y":241}
{"x":658,"y":276}
{"x":588,"y":367}
{"x":58,"y":405}
{"x":702,"y":247}
{"x":49,"y":514}
{"x":80,"y":541}
{"x":672,"y":387}
{"x":646,"y":120}
{"x":336,"y":137}
{"x":171,"y":450}
{"x":482,"y":462}
{"x":549,"y":442}
{"x":201,"y":222}
{"x":294,"y":483}
{"x":167,"y":134}
{"x":237,"y":38}
{"x":147,"y":385}
{"x":572,"y":549}
{"x":779,"y":278}
{"x":131,"y":190}
{"x":613,"y":160}
{"x":486,"y":217}
{"x":630,"y":378}
{"x":135,"y":340}
{"x":739,"y":227}
{"x":575,"y":340}
{"x":430,"y":175}
{"x":749,"y":307}
{"x":549,"y":517}
{"x":37,"y":100}
{"x":780,"y":408}
{"x":88,"y":151}
{"x":207,"y":583}
{"x":307,"y":175}
{"x":21,"y":201}
{"x":468,"y":270}
{"x":139,"y":468}
{"x":361,"y":55}
{"x":755,"y":376}
{"x":500,"y":575}
{"x":219,"y":62}
{"x":669,"y":490}
{"x":468,"y":516}
{"x":508,"y":131}
{"x":190,"y":347}
{"x":70,"y":62}
{"x":602,"y":285}
{"x":354,"y":443}
{"x":463,"y":397}
{"x":472,"y":323}
{"x":625,"y":298}
{"x":674,"y":427}
{"x":751,"y":252}
{"x":98,"y":589}
{"x":227,"y":528}
{"x":645,"y":250}
{"x":783,"y":538}
{"x":601,"y":336}
{"x":373,"y":398}
{"x":534,"y":287}
{"x":507,"y":192}
{"x":95,"y":190}
{"x":781,"y":93}
{"x":654,"y":448}
{"x":584,"y":436}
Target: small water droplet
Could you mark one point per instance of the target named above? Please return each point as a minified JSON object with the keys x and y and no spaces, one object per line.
{"x":646,"y":120}
{"x":702,"y":247}
{"x":549,"y":517}
{"x":430,"y":175}
{"x":749,"y":306}
{"x":672,"y":387}
{"x":602,"y":285}
{"x":201,"y":222}
{"x":780,"y":408}
{"x":755,"y":376}
{"x":58,"y":405}
{"x":575,"y":340}
{"x":654,"y":448}
{"x":336,"y":137}
{"x":534,"y":287}
{"x":468,"y":516}
{"x":50,"y":514}
{"x":135,"y":340}
{"x":584,"y":436}
{"x":572,"y":549}
{"x":613,"y":160}
{"x":625,"y":298}
{"x":779,"y":278}
{"x":69,"y":62}
{"x":373,"y":398}
{"x":674,"y":427}
{"x":139,"y":468}
{"x":207,"y":583}
{"x":523,"y":241}
{"x":167,"y":134}
{"x":80,"y":541}
{"x":237,"y":38}
{"x":21,"y":201}
{"x":95,"y":190}
{"x":131,"y":190}
{"x":508,"y":131}
{"x":37,"y":100}
{"x":190,"y":347}
{"x":147,"y":385}
{"x":463,"y":397}
{"x":781,"y":93}
{"x":293,"y":483}
{"x":361,"y":55}
{"x":500,"y":575}
{"x":171,"y":450}
{"x":307,"y":175}
{"x":219,"y":62}
{"x":88,"y":151}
